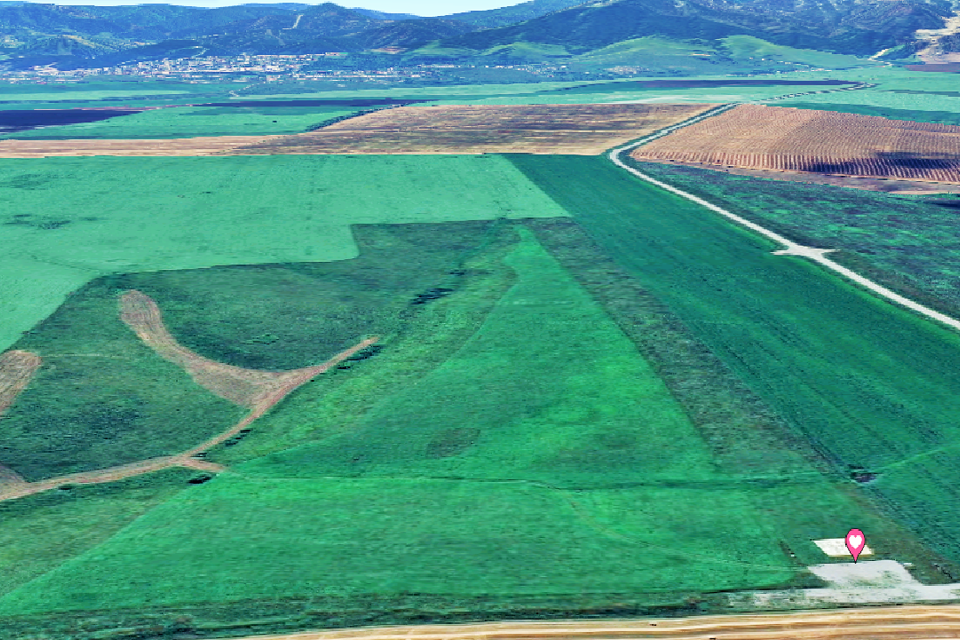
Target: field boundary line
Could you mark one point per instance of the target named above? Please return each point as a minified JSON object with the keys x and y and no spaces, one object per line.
{"x":791,"y":248}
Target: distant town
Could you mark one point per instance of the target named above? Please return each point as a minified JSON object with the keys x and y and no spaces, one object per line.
{"x":301,"y":67}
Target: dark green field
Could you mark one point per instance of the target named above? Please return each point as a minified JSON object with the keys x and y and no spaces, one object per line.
{"x":908,"y":243}
{"x":868,"y":384}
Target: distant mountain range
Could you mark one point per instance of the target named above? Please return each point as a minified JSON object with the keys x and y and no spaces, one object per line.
{"x":84,"y":36}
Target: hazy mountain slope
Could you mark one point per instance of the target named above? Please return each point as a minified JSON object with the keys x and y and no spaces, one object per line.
{"x":512,"y":15}
{"x":852,"y":26}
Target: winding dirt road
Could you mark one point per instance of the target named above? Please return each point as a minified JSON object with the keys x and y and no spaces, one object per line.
{"x":880,"y":623}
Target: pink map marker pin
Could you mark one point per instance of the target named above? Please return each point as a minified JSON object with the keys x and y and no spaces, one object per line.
{"x":855,"y":543}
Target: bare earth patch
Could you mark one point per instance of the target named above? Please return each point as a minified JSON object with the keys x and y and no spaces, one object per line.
{"x":16,"y":370}
{"x":815,"y":142}
{"x":257,"y":390}
{"x":576,"y":129}
{"x":876,"y":623}
{"x":180,"y":147}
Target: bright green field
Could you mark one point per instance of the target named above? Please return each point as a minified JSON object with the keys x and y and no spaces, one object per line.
{"x":188,"y":122}
{"x":42,"y":531}
{"x":545,"y":457}
{"x":549,"y":389}
{"x":868,"y":384}
{"x":116,"y":215}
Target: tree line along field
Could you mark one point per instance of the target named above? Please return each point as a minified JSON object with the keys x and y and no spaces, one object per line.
{"x":871,"y":386}
{"x":124,"y":215}
{"x":907,"y":243}
{"x":510,"y":465}
{"x":783,"y":139}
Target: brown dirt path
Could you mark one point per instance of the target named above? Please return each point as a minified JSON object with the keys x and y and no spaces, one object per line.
{"x":886,"y":623}
{"x":246,"y":387}
{"x":16,"y":370}
{"x":257,"y":390}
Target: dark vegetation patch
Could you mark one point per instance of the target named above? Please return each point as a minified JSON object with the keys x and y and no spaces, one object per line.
{"x":452,"y":442}
{"x":286,"y":316}
{"x":12,"y":121}
{"x":287,"y":615}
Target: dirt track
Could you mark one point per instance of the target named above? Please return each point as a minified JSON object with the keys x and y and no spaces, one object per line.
{"x":258,"y":390}
{"x":893,"y":623}
{"x":16,"y":370}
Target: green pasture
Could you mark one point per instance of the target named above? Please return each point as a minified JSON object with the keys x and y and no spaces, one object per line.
{"x":549,"y":390}
{"x":41,"y":531}
{"x":122,"y":215}
{"x":190,"y":122}
{"x":587,"y":484}
{"x":242,"y":537}
{"x":103,"y":398}
{"x":102,"y":89}
{"x":868,"y":384}
{"x":926,"y":105}
{"x":910,"y":243}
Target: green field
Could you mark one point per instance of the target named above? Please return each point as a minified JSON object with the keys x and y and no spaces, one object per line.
{"x":122,"y":215}
{"x":527,"y":463}
{"x":909,"y":243}
{"x":868,"y":384}
{"x":103,"y":398}
{"x":108,"y":90}
{"x":190,"y":122}
{"x":40,"y":532}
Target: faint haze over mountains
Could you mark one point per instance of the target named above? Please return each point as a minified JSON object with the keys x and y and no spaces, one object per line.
{"x":407,"y":8}
{"x":537,"y":31}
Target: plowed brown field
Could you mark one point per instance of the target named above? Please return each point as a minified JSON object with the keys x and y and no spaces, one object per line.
{"x":880,"y":623}
{"x":784,"y":139}
{"x":578,"y":129}
{"x":179,"y":147}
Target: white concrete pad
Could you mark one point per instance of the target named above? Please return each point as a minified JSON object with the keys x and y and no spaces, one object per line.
{"x":837,"y":548}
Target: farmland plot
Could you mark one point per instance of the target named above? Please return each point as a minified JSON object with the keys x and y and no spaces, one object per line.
{"x":585,"y":129}
{"x":480,"y":485}
{"x":868,"y":384}
{"x":123,"y":215}
{"x":782,"y":139}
